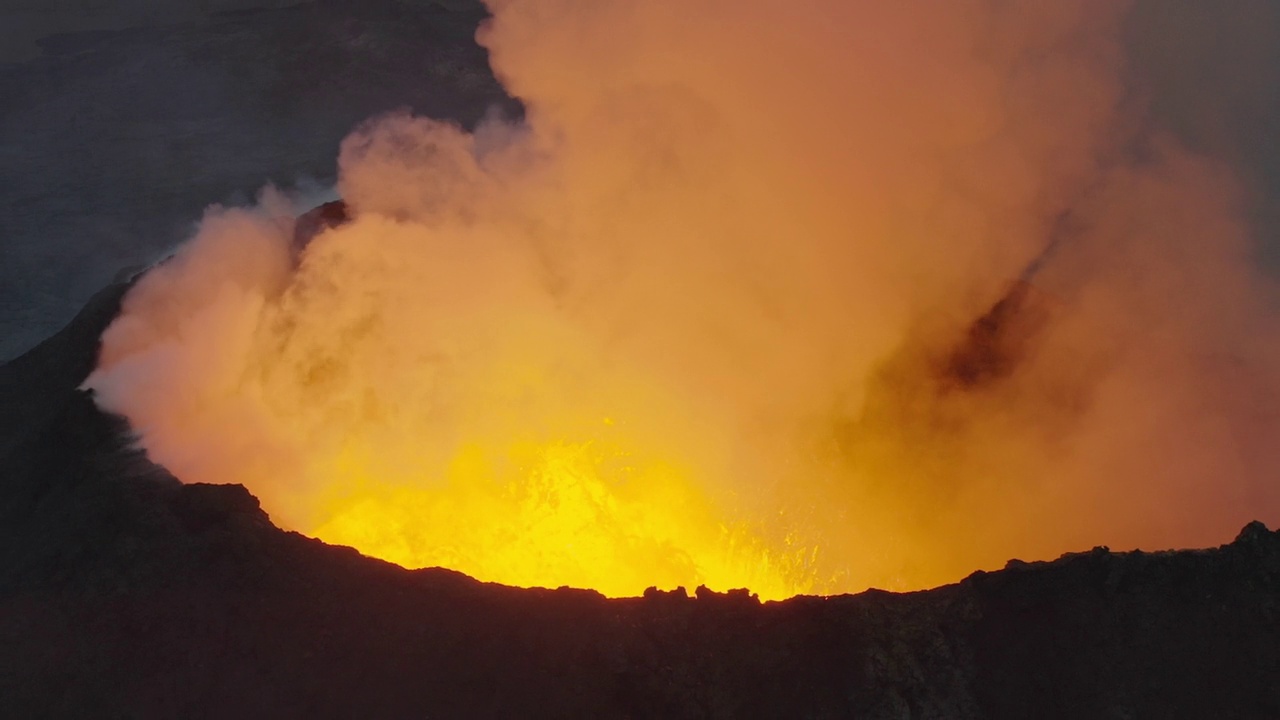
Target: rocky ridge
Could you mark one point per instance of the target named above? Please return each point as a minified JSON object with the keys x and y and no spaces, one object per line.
{"x":125,"y":593}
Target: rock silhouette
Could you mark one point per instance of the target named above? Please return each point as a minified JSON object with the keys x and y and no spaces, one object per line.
{"x":124,"y":593}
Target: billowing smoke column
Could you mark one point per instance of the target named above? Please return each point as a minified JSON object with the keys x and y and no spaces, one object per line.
{"x":806,"y":297}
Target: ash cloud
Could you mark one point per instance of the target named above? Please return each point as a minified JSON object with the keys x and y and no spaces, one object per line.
{"x":756,"y":240}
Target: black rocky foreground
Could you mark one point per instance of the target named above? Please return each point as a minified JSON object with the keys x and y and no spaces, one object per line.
{"x":124,"y":593}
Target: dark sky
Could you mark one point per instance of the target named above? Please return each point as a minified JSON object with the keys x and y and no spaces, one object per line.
{"x":112,"y":141}
{"x":1212,"y":71}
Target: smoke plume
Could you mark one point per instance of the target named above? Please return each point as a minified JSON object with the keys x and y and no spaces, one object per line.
{"x":882,"y":292}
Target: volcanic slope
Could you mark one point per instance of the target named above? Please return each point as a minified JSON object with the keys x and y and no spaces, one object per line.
{"x":124,"y":593}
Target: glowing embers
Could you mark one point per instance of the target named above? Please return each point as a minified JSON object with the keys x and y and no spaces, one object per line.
{"x":585,"y":515}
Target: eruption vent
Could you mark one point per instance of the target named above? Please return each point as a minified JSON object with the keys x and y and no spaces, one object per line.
{"x":756,"y":295}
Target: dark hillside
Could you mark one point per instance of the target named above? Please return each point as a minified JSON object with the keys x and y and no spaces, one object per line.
{"x":124,"y":593}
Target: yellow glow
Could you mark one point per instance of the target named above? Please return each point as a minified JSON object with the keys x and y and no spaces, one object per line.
{"x":577,"y":514}
{"x":710,"y":304}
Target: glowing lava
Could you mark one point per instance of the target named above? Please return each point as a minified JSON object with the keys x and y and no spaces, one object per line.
{"x":582,"y":515}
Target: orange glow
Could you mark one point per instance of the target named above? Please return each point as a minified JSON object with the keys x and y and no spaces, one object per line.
{"x":714,"y":311}
{"x":559,"y":514}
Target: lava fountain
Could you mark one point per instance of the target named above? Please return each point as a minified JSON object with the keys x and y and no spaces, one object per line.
{"x":798,"y":299}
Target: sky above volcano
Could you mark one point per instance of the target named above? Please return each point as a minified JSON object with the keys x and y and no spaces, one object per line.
{"x":119,"y":132}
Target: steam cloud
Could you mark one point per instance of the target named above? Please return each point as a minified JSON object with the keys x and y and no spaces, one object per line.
{"x":750,"y":234}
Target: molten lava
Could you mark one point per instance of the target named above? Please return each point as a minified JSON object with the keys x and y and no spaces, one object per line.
{"x":579,"y":515}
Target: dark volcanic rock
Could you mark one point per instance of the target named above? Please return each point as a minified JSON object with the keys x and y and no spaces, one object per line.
{"x":124,"y":593}
{"x":315,"y":221}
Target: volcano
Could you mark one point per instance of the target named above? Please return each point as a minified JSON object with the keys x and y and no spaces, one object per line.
{"x":755,"y":305}
{"x":125,"y":593}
